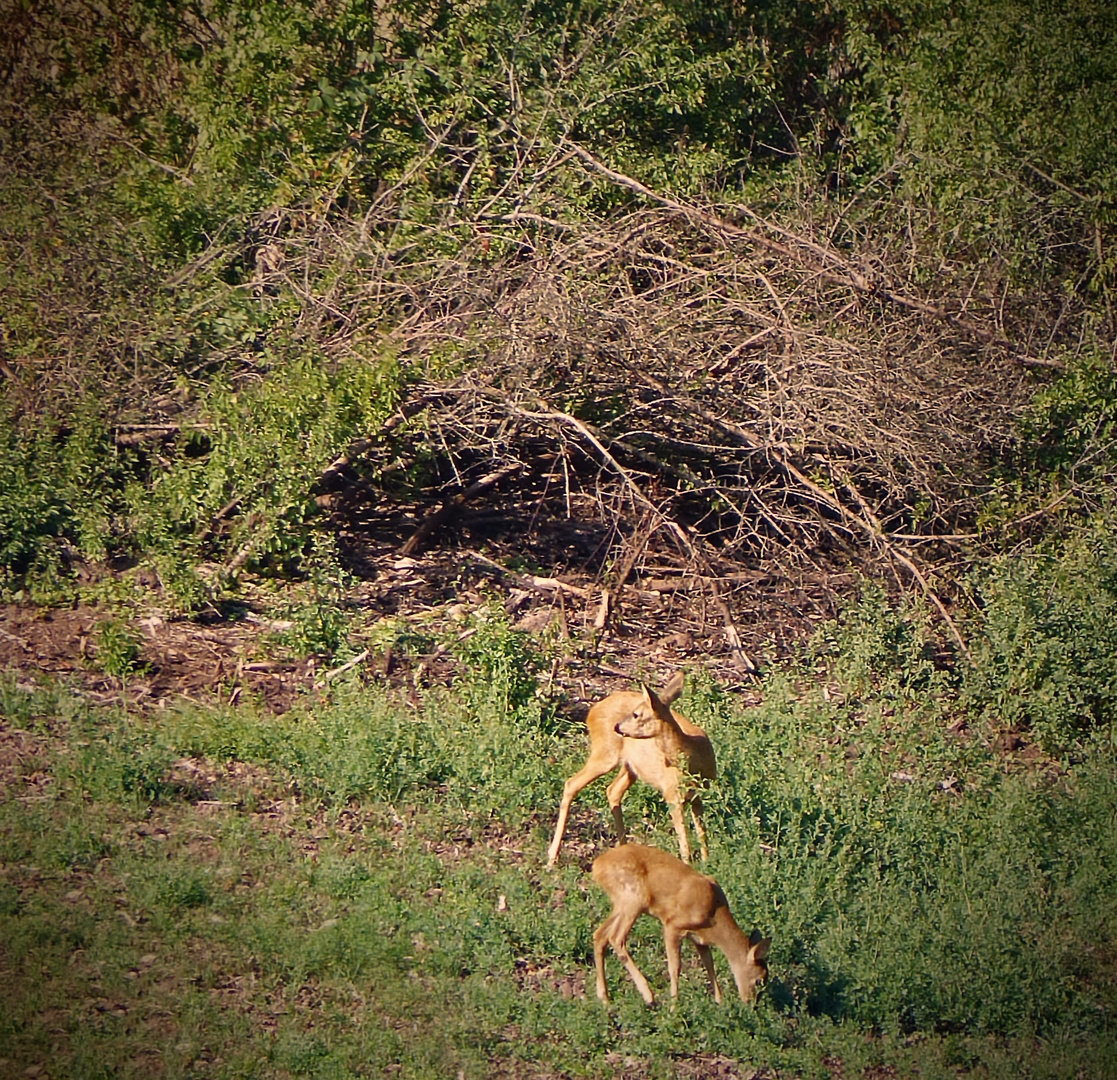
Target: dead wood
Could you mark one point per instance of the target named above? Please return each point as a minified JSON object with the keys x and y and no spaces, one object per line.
{"x":138,"y":434}
{"x":759,"y":405}
{"x":453,"y":506}
{"x":844,"y":274}
{"x":531,"y":581}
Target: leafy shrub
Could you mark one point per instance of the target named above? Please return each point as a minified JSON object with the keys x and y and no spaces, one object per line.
{"x":875,"y":645}
{"x":31,"y":512}
{"x":118,"y":648}
{"x":320,"y":628}
{"x":58,"y":503}
{"x":998,"y":117}
{"x":320,"y":622}
{"x":243,"y":486}
{"x":1069,"y":429}
{"x":499,"y":664}
{"x":1048,"y":658}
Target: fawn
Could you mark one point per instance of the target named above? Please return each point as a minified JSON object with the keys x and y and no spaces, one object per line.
{"x":641,"y":879}
{"x":637,"y":731}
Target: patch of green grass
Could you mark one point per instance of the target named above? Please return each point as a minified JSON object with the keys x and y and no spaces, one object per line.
{"x":357,"y":887}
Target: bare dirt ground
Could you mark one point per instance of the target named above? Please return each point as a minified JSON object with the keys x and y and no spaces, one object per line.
{"x":548,"y":572}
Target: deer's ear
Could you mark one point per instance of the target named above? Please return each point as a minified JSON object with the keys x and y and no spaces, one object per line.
{"x":673,"y":688}
{"x":759,"y":948}
{"x":649,"y":697}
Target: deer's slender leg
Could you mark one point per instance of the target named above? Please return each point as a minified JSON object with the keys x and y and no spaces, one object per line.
{"x":677,"y":819}
{"x":615,"y":793}
{"x":699,"y":827}
{"x":673,"y":942}
{"x":705,"y":952}
{"x":598,"y":765}
{"x":614,"y":931}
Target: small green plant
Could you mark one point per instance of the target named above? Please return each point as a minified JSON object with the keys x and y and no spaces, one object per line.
{"x":320,"y":621}
{"x":499,"y":664}
{"x":320,"y":628}
{"x":119,"y":648}
{"x":402,"y":636}
{"x":187,"y":889}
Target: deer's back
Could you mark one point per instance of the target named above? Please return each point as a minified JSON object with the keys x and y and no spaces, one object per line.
{"x":696,"y":746}
{"x":658,"y":883}
{"x":602,"y":719}
{"x":700,"y":751}
{"x":605,"y":714}
{"x":644,"y":754}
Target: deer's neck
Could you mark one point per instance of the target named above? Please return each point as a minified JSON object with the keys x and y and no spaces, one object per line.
{"x":671,"y":739}
{"x":724,"y":932}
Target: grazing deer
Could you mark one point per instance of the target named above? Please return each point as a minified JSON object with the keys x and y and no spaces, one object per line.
{"x":638,"y":732}
{"x":641,"y":880}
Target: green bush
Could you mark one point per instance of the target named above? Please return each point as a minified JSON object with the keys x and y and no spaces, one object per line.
{"x":875,"y":646}
{"x":1069,"y":429}
{"x":1047,"y":659}
{"x":243,"y":485}
{"x":118,"y":648}
{"x":998,"y":118}
{"x":32,"y":514}
{"x":58,"y":502}
{"x":240,"y":489}
{"x":500,"y":666}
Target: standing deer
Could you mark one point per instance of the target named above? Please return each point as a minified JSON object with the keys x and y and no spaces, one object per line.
{"x":638,"y":732}
{"x":641,"y":880}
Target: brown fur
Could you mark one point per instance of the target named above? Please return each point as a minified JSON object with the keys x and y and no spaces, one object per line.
{"x":641,"y":880}
{"x":637,"y":732}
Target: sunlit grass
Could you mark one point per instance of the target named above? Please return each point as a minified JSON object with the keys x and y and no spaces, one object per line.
{"x":356,"y":888}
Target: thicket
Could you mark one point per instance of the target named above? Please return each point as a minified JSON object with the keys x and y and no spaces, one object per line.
{"x":781,"y":285}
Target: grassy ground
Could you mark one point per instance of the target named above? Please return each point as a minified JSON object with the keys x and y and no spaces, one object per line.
{"x":356,"y":888}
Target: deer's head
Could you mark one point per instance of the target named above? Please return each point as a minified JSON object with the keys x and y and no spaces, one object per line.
{"x":646,"y":720}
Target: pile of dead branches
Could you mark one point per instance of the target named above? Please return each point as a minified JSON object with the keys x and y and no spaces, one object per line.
{"x":727,"y":397}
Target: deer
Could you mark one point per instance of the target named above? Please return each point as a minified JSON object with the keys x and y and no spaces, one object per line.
{"x":637,"y":732}
{"x":644,"y":880}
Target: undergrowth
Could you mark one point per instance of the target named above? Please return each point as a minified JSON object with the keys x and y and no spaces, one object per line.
{"x":357,"y":887}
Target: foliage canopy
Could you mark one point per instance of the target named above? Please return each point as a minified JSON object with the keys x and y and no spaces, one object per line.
{"x":808,"y":283}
